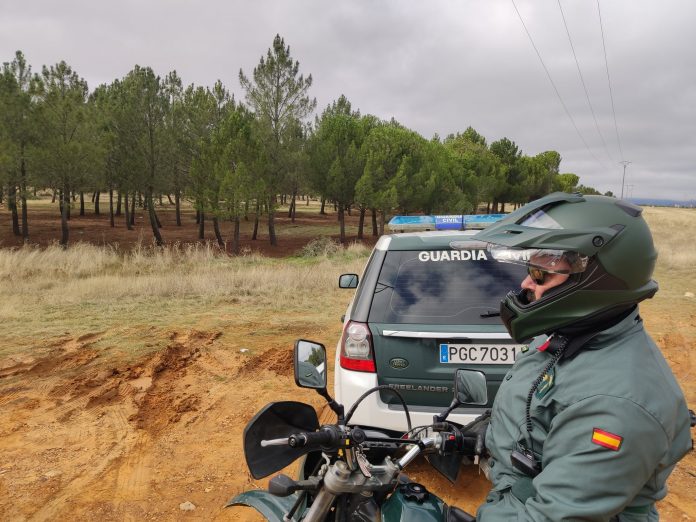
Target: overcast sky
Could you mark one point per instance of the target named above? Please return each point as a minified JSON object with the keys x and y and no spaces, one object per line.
{"x":436,"y":66}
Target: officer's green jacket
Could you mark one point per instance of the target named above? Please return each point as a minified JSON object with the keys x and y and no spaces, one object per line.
{"x":608,"y":430}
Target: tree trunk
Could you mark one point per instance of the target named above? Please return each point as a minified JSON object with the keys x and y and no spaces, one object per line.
{"x":2,"y":195}
{"x":53,"y":198}
{"x":64,"y":217}
{"x":23,"y":198}
{"x":69,"y":204}
{"x":132,"y":216}
{"x":342,"y":222}
{"x":323,"y":204}
{"x":82,"y":203}
{"x":246,"y":210}
{"x":141,"y":202}
{"x":129,"y":225}
{"x":97,"y":194}
{"x":201,"y":225}
{"x":235,"y":236}
{"x":218,"y":235}
{"x":502,"y":208}
{"x":160,"y":199}
{"x":159,"y":223}
{"x":293,"y":207}
{"x":374,"y":222}
{"x":256,"y":223}
{"x":271,"y":223}
{"x":177,"y":204}
{"x":118,"y":204}
{"x":361,"y":223}
{"x":111,"y":208}
{"x":382,"y":214}
{"x":153,"y":218}
{"x":12,"y":205}
{"x":198,"y":217}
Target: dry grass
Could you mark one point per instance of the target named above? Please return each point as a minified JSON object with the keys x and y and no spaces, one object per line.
{"x":673,"y":232}
{"x":51,"y":292}
{"x":673,"y":308}
{"x":89,"y":272}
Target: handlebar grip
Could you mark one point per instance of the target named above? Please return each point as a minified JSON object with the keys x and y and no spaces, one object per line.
{"x":322,"y":437}
{"x":274,"y":442}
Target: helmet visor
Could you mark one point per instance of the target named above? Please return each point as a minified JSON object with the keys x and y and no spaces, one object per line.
{"x":541,"y":260}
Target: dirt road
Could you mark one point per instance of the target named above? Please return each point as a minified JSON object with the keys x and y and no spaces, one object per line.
{"x":92,"y":439}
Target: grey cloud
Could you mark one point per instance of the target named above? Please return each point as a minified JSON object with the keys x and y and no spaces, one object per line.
{"x":435,"y":66}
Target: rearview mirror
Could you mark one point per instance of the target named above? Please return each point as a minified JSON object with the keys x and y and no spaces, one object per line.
{"x":470,"y":387}
{"x":310,"y":364}
{"x":348,"y":281}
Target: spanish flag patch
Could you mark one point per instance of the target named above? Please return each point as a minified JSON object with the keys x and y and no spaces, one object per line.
{"x":606,"y":439}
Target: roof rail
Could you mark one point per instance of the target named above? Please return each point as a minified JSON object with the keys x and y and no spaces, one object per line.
{"x":450,"y":222}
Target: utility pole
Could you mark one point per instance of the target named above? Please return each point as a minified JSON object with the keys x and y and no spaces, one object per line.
{"x":623,"y":180}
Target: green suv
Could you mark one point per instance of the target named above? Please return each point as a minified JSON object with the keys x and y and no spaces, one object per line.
{"x":421,"y":310}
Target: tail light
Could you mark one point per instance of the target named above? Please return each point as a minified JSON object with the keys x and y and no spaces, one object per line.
{"x":356,"y":348}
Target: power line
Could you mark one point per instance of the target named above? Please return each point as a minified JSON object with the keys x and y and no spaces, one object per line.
{"x":611,"y":94}
{"x":548,"y":74}
{"x":582,"y":80}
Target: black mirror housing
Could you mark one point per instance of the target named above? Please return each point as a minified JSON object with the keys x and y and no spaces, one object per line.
{"x":348,"y":281}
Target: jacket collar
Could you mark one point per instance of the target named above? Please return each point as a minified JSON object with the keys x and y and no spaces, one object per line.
{"x":576,"y":338}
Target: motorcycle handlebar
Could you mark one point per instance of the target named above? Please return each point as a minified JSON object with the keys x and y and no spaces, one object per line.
{"x":324,"y":437}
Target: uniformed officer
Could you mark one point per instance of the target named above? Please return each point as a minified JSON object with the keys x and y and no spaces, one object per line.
{"x":590,"y":421}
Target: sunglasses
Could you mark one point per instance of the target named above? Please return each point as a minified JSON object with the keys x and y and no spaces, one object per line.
{"x":537,"y":274}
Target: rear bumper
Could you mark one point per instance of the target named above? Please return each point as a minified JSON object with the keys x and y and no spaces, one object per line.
{"x":373,"y":412}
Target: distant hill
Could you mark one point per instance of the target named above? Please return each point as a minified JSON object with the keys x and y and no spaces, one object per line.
{"x":663,"y":202}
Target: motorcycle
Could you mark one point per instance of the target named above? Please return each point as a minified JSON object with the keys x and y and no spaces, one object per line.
{"x":350,"y":473}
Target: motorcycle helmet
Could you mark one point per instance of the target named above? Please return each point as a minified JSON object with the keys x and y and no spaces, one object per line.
{"x":602,"y":244}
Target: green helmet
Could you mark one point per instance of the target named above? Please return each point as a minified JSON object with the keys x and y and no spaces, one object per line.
{"x":602,"y":243}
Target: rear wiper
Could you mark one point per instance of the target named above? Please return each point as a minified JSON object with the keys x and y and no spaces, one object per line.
{"x":490,"y":314}
{"x":383,"y":286}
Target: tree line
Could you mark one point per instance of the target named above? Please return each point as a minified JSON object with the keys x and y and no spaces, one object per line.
{"x":145,"y":137}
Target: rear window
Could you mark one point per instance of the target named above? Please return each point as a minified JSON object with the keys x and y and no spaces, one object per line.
{"x":442,"y":287}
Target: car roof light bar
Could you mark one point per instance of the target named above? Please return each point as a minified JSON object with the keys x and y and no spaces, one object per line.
{"x":449,"y":222}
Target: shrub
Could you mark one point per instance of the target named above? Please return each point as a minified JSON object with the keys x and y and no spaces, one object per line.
{"x":322,"y":246}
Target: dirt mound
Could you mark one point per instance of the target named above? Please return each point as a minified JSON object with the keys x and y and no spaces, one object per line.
{"x":151,"y":387}
{"x":71,"y":355}
{"x":276,"y":360}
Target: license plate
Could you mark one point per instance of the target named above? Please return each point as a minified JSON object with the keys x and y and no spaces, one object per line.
{"x":478,"y":353}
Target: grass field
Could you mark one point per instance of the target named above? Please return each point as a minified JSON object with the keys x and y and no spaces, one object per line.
{"x":51,"y":292}
{"x":127,"y":376}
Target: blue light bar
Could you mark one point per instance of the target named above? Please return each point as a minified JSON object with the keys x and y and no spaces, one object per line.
{"x":450,"y":222}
